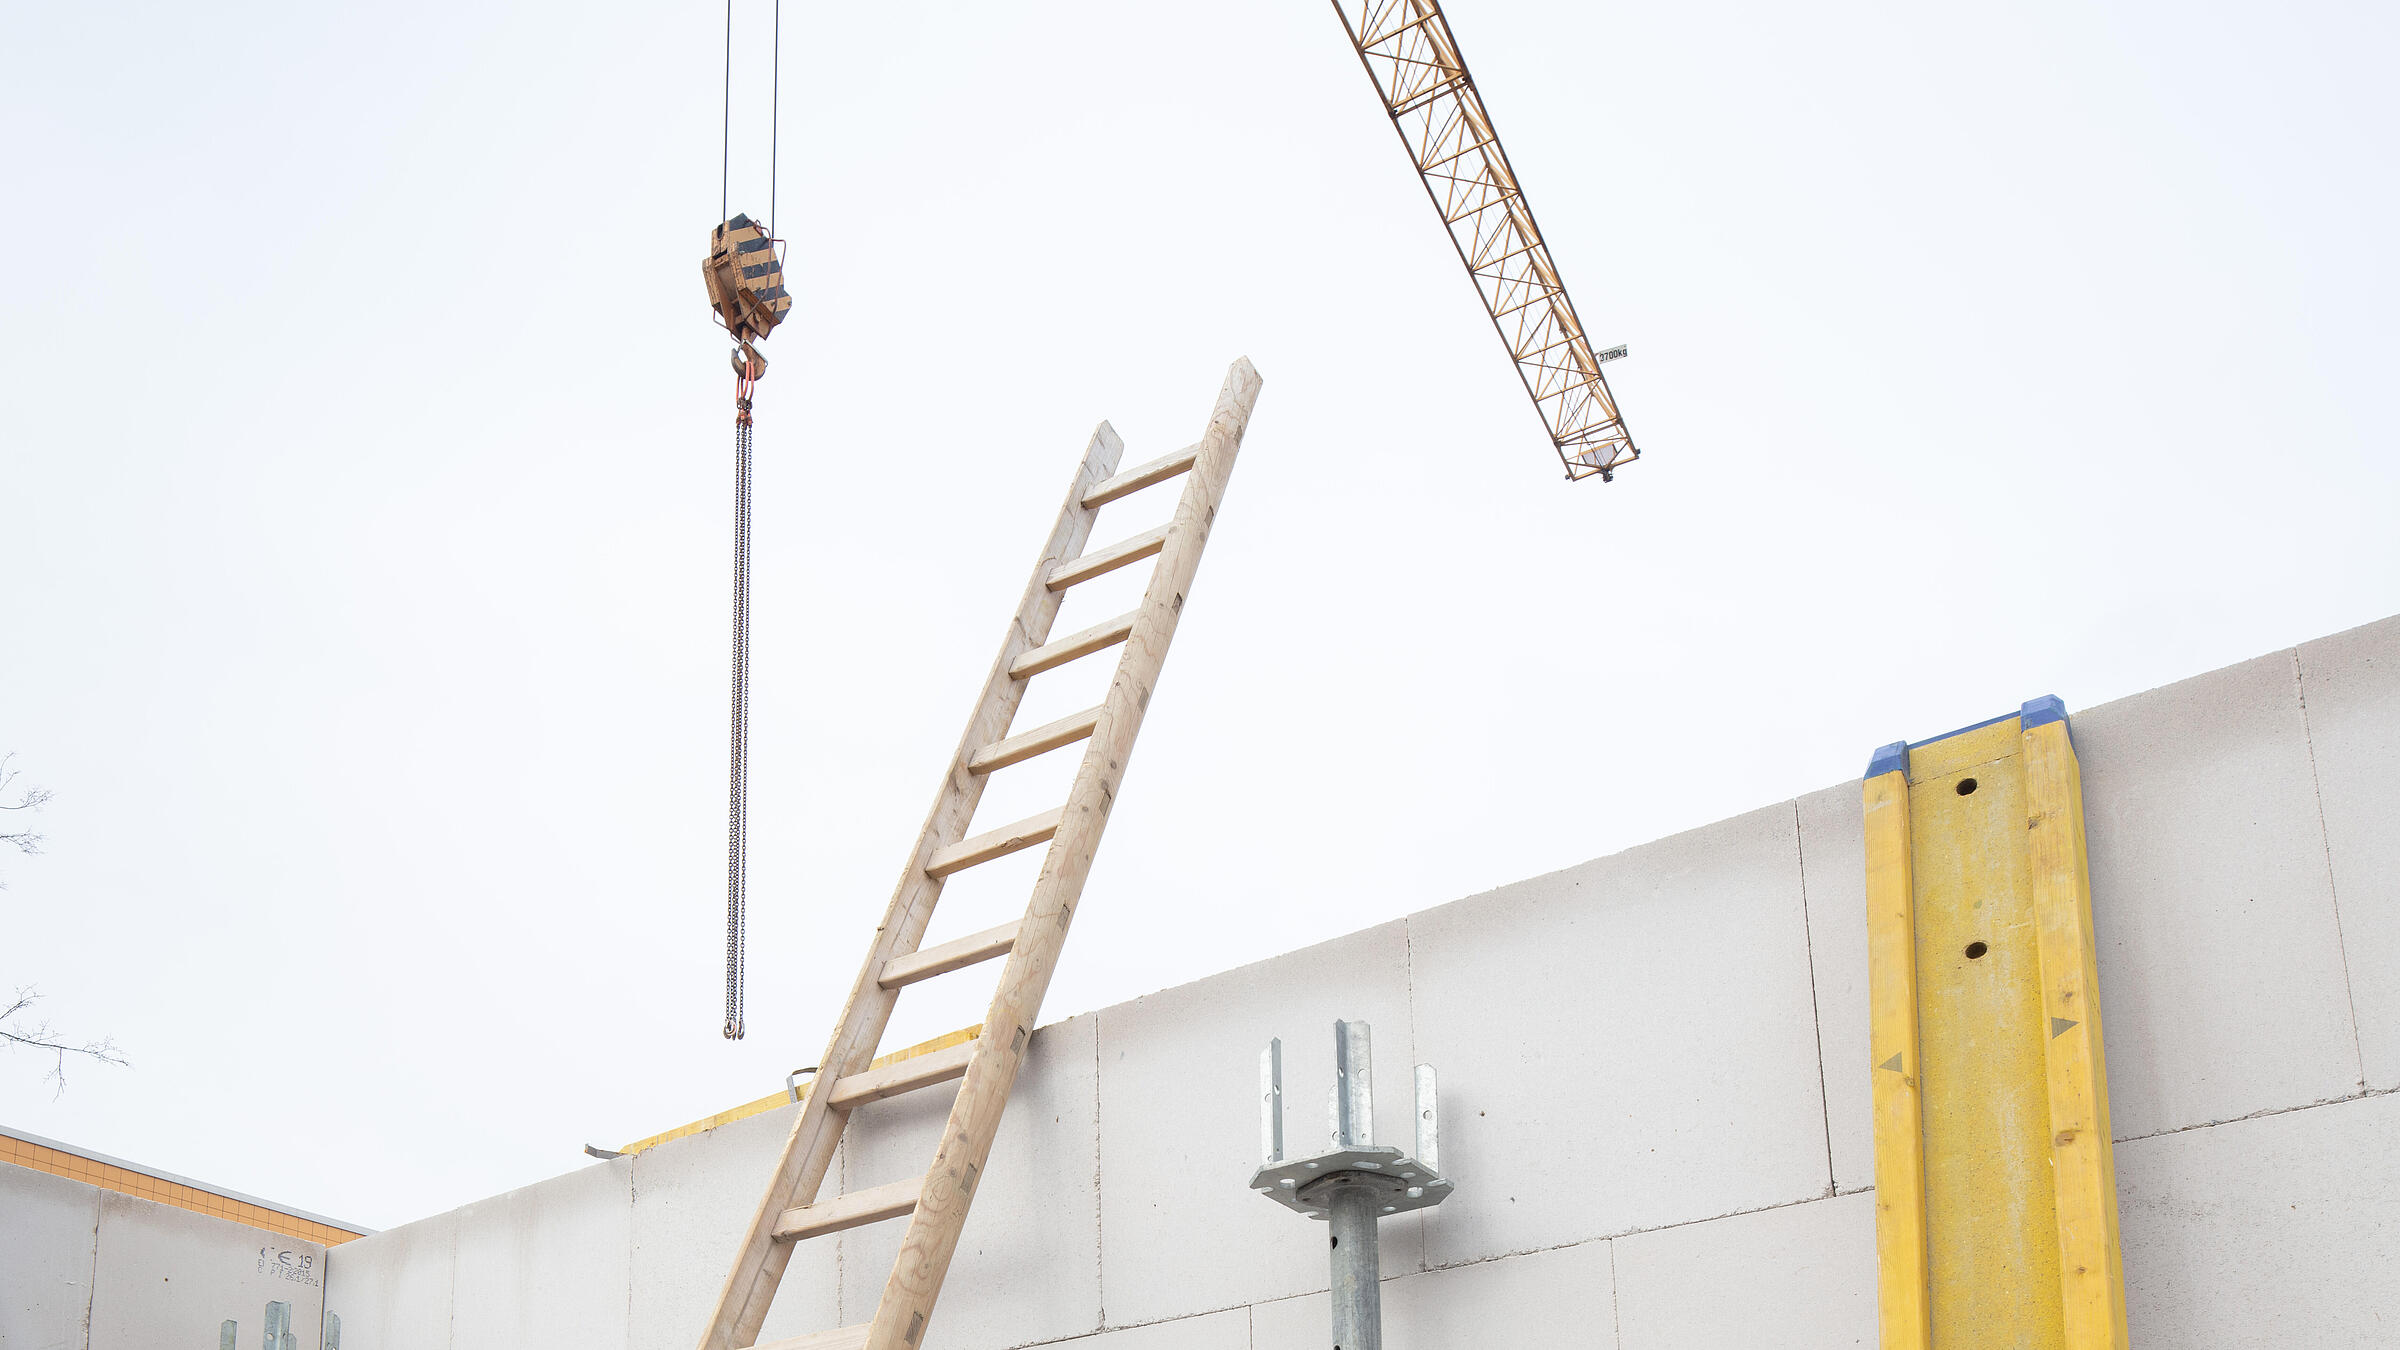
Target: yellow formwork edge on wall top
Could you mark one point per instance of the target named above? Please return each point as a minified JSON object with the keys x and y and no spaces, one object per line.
{"x":792,"y":1096}
{"x":1995,"y":1184}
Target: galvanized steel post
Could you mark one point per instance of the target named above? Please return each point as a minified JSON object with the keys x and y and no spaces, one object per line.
{"x":1357,"y":1268}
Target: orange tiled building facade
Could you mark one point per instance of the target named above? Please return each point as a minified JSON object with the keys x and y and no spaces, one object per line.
{"x":110,"y":1174}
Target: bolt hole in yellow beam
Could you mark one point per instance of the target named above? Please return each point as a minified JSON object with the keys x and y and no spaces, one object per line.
{"x":1996,"y":1215}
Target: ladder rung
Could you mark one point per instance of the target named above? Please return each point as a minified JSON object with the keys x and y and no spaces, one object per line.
{"x":871,"y":1205}
{"x":998,"y":843}
{"x":1141,"y":476}
{"x":1040,"y":740}
{"x":906,"y":1076}
{"x":1058,"y":653}
{"x":840,"y":1338}
{"x":949,"y":956}
{"x":1076,"y":570}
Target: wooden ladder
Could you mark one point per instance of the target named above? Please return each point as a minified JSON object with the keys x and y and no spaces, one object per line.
{"x":937,"y":1202}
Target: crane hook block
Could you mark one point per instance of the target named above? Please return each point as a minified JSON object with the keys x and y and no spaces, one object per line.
{"x":748,"y":364}
{"x":745,"y":280}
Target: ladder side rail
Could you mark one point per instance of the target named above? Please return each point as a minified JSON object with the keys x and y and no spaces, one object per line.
{"x":758,"y":1265}
{"x":933,"y":1231}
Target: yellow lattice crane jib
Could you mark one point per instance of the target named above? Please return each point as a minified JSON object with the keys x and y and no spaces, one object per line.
{"x":1413,"y":60}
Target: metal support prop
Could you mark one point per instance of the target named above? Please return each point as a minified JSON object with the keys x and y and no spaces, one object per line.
{"x":1357,"y":1269}
{"x":1354,"y":1182}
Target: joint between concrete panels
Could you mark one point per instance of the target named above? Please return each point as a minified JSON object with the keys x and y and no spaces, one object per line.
{"x":91,"y":1279}
{"x":1514,"y":1253}
{"x":1816,"y":1009}
{"x":2333,"y":885}
{"x":2363,"y":1094}
{"x":1616,"y":1311}
{"x":1408,"y":1000}
{"x":1109,"y":1328}
{"x":1099,"y":1200}
{"x":633,"y":1202}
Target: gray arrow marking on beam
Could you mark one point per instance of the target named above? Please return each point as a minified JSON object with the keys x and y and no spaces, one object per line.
{"x":1893,"y":1064}
{"x":2059,"y":1026}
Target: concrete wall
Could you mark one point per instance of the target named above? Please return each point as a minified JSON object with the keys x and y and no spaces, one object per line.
{"x":1655,"y":1078}
{"x":84,"y":1267}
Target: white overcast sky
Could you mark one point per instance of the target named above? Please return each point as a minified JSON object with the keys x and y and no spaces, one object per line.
{"x":364,"y":490}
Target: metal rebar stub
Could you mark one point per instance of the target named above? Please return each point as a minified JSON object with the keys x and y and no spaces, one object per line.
{"x":1399,"y":1181}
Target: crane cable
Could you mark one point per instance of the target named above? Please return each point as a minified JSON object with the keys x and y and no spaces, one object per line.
{"x":748,"y":366}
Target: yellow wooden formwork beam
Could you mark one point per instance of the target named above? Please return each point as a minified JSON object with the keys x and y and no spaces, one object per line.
{"x":788,"y":1097}
{"x":2091,"y":1263}
{"x":1995,"y":1191}
{"x":1899,"y":1138}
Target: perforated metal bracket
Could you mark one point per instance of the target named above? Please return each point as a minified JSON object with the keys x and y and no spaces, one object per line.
{"x":1304,"y":1185}
{"x":1300,"y":1185}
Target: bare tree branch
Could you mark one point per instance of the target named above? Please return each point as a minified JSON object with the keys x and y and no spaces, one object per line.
{"x":39,"y":1037}
{"x":28,"y":799}
{"x":42,"y":1037}
{"x":32,"y":797}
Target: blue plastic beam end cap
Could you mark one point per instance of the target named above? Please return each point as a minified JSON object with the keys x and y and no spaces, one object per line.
{"x":2045,"y":710}
{"x":2040,"y":712}
{"x":1891,"y":758}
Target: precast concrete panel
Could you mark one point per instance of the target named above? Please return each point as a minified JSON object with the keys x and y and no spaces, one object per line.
{"x":692,"y":1202}
{"x":2350,"y":684}
{"x":1028,"y":1265}
{"x":2221,"y":975}
{"x":1801,"y":1277}
{"x":169,"y":1277}
{"x":1180,"y":1231}
{"x":1562,"y":1299}
{"x":1625,"y":1044}
{"x":2280,"y":1231}
{"x":394,"y":1290}
{"x":546,"y":1267}
{"x":49,"y":1241}
{"x":1833,"y":870}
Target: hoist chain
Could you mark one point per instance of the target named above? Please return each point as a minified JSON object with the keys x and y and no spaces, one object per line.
{"x":747,"y":367}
